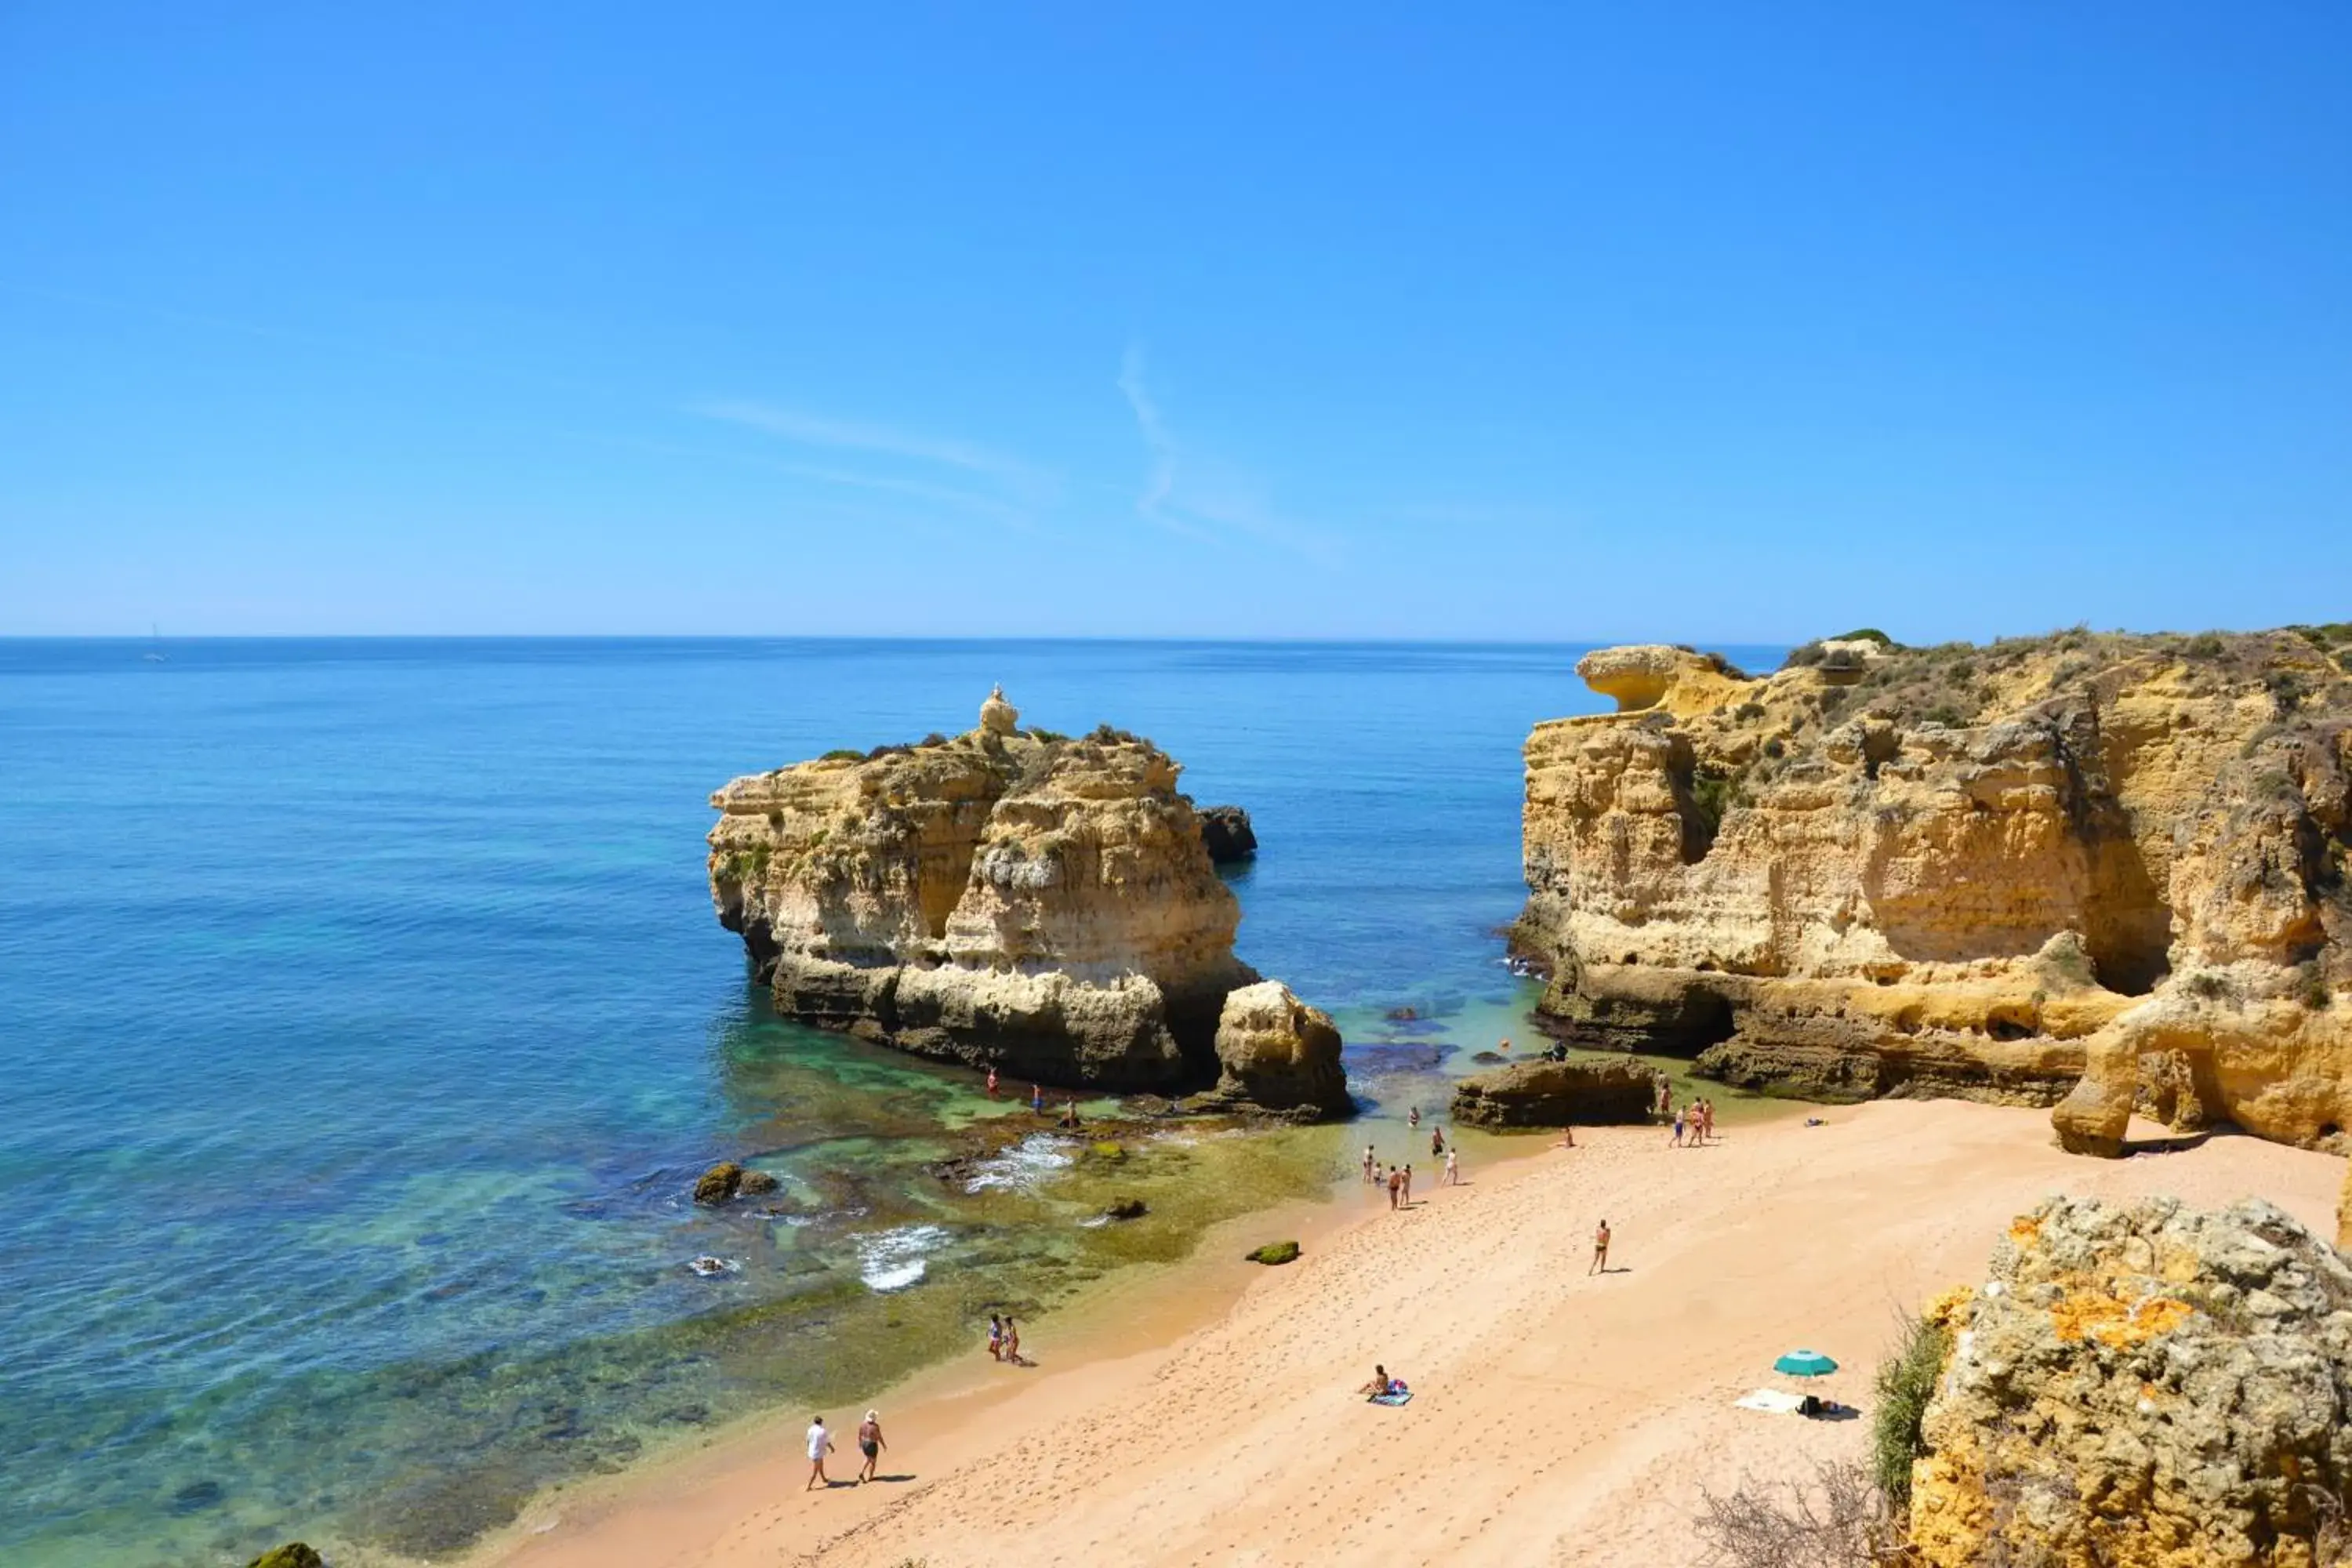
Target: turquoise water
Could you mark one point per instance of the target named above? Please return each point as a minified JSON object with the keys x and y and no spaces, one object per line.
{"x":366,"y":1022}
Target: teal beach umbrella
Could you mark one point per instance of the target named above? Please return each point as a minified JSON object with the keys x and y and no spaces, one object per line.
{"x":1805,"y":1364}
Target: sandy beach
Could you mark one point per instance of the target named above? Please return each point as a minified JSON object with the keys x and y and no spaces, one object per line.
{"x":1558,"y":1417}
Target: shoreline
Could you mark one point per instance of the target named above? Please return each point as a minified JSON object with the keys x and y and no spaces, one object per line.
{"x":646,"y":1510}
{"x":1558,"y":1417}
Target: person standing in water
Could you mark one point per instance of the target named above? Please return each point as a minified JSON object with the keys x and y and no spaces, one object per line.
{"x":1437,"y":1142}
{"x":1407,"y":1187}
{"x":1012,"y":1341}
{"x":1372,"y":1168}
{"x":870,"y":1444}
{"x":995,"y":1337}
{"x":820,"y":1443}
{"x":1414,"y":1119}
{"x":1394,"y":1181}
{"x":1036,"y":1100}
{"x":1600,"y":1250}
{"x":992,"y":1083}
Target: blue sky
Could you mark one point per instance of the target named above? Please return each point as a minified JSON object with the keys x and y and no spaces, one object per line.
{"x":1732,"y":323}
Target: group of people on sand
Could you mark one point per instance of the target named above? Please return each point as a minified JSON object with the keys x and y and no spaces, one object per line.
{"x":1694,"y":1123}
{"x":1399,"y":1180}
{"x":820,"y":1443}
{"x":1004,"y":1339}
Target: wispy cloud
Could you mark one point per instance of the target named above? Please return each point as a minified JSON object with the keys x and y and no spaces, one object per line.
{"x":882,"y":484}
{"x":1198,"y":497}
{"x":808,"y":429}
{"x":1162,"y":446}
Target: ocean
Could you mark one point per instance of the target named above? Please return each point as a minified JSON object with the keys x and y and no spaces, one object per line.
{"x":363,"y":1024}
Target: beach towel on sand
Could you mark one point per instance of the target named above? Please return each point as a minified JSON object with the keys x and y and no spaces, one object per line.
{"x":1771,"y":1400}
{"x":1399,"y":1397}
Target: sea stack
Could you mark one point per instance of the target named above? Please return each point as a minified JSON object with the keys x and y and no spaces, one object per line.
{"x":2098,"y":868}
{"x":1006,"y":898}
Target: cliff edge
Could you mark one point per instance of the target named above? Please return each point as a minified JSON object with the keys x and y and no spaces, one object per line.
{"x":1004,"y":898}
{"x":2098,"y":868}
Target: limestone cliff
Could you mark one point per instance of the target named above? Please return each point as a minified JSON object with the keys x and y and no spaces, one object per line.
{"x":1006,"y":897}
{"x":2142,"y":1385}
{"x":1988,"y":871}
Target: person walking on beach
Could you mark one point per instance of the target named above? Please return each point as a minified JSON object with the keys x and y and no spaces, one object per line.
{"x":1453,"y":1167}
{"x":1372,"y":1168}
{"x":1012,"y":1341}
{"x":870,"y":1444}
{"x":1678,"y":1129}
{"x":995,"y":1337}
{"x":820,"y":1443}
{"x":992,"y":1083}
{"x":1407,"y":1187}
{"x":1707,"y":1112}
{"x":1600,"y":1250}
{"x":1394,"y":1181}
{"x":1666,"y":1095}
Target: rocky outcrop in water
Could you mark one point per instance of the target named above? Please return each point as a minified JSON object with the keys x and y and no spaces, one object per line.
{"x":1226,"y":832}
{"x":2103,"y":868}
{"x":2142,"y":1385}
{"x":1276,"y":1053}
{"x":1582,"y":1090}
{"x":1004,"y":898}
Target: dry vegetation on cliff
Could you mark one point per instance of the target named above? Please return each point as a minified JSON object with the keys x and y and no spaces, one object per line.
{"x":1968,"y":869}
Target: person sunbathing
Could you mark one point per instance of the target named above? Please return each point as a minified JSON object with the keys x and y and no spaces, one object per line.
{"x":1381,"y":1384}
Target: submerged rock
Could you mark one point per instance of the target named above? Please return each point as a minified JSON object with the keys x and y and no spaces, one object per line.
{"x":293,"y":1555}
{"x":1017,"y":899}
{"x":1278,"y":1054}
{"x":1274,"y":1252}
{"x":756,"y":1182}
{"x":1226,"y":833}
{"x":2096,"y":869}
{"x":2142,"y":1384}
{"x":1584,"y":1090}
{"x":718,"y":1184}
{"x":1126,"y":1208}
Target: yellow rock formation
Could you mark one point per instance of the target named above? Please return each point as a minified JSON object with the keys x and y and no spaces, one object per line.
{"x":1043,"y":905}
{"x":2106,"y":864}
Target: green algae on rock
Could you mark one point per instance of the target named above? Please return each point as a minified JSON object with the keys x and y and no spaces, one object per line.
{"x":1275,"y":1252}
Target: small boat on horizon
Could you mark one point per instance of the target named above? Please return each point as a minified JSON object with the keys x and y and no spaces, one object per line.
{"x":155,"y":654}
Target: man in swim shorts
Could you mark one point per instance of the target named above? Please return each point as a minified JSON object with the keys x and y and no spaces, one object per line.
{"x":870,"y":1444}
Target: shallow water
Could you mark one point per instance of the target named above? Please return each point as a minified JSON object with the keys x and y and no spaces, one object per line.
{"x":367,"y":1024}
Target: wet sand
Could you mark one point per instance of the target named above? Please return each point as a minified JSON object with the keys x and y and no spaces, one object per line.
{"x":1205,"y":1414}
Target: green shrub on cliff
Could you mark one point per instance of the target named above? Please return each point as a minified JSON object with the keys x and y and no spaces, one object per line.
{"x":1905,"y":1382}
{"x":1869,"y":634}
{"x":843,"y":754}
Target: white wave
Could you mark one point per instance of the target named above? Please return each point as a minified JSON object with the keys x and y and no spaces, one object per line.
{"x":894,"y":1259}
{"x":1021,"y":1167}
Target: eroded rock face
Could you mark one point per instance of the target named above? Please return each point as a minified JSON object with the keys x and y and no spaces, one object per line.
{"x":2110,"y":861}
{"x":2145,"y":1385}
{"x":1276,"y":1053}
{"x":1038,"y":904}
{"x":2343,"y":1215}
{"x":1582,"y":1091}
